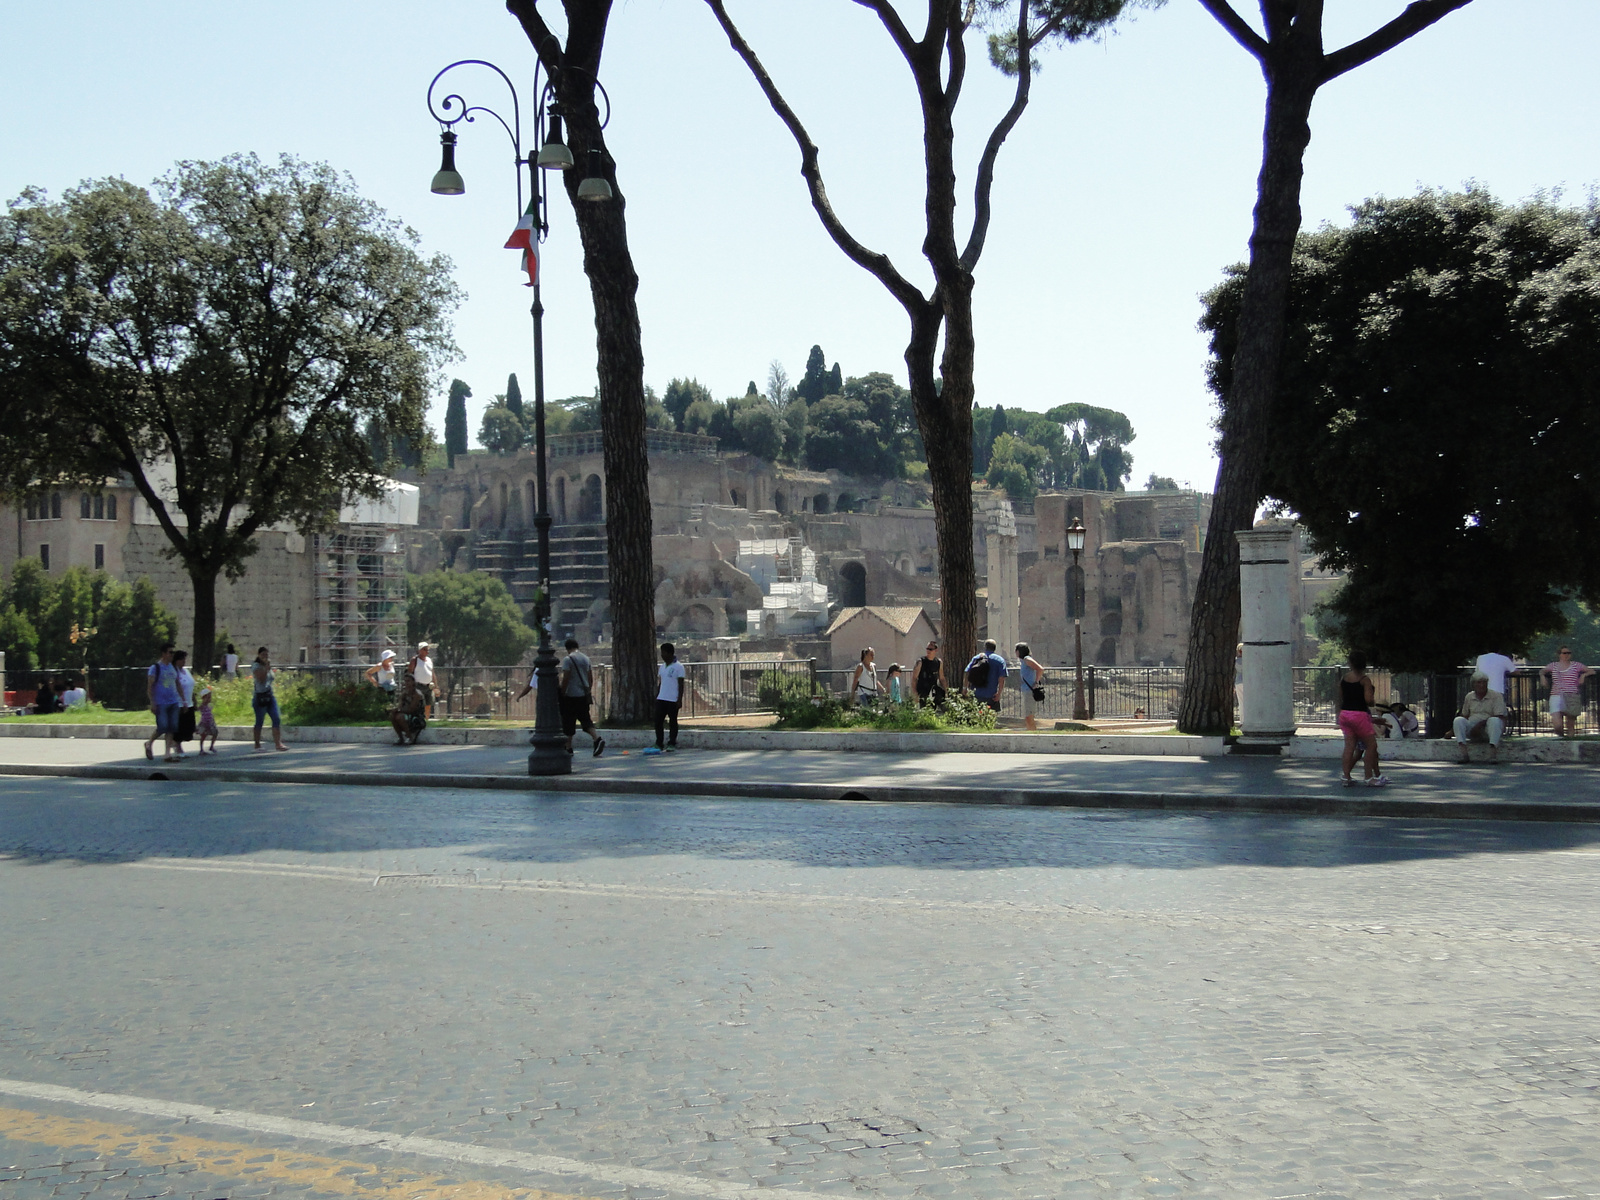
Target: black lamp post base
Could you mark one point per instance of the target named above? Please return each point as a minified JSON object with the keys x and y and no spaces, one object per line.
{"x":549,"y":756}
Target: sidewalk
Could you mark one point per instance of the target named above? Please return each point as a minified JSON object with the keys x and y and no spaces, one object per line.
{"x":1568,"y":792}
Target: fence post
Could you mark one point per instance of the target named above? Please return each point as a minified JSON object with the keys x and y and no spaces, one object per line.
{"x":812,"y":664}
{"x":1091,"y":691}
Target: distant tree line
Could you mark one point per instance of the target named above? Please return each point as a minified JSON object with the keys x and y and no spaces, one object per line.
{"x":1071,"y":446}
{"x":79,"y":618}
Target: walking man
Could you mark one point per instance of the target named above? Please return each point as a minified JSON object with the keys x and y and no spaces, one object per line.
{"x":986,"y":676}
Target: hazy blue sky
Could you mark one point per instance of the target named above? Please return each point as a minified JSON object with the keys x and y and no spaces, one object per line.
{"x":1124,"y":191}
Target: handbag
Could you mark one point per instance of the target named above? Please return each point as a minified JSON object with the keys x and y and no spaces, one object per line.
{"x":1038,"y":692}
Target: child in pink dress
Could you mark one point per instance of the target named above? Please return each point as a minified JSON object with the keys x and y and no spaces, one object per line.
{"x":205,"y":722}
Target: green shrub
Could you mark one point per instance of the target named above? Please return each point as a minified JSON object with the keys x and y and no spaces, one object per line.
{"x":776,"y":687}
{"x":960,"y":713}
{"x":346,"y":703}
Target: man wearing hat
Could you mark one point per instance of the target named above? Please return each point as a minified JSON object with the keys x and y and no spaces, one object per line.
{"x":421,"y":669}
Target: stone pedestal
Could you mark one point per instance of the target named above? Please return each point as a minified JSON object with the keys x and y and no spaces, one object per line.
{"x":1266,"y":626}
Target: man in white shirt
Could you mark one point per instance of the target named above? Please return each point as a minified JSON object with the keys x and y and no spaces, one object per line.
{"x":421,"y":669}
{"x":1482,"y":717}
{"x":1496,"y":667}
{"x":74,"y":696}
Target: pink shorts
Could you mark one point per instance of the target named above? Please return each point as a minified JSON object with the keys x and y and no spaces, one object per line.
{"x":1357,"y":723}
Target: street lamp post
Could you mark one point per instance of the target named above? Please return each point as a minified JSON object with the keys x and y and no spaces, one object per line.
{"x":1075,"y":536}
{"x":549,"y":755}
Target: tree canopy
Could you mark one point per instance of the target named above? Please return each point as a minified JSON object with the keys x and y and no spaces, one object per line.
{"x":1435,"y":419}
{"x":223,"y":341}
{"x":469,"y":617}
{"x":80,"y":618}
{"x":1071,"y":446}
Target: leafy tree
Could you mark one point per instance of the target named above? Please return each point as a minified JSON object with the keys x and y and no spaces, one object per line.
{"x":760,"y":428}
{"x":941,"y":349}
{"x":705,"y":416}
{"x":514,"y":398}
{"x":18,"y":640}
{"x":501,"y":432}
{"x":842,"y":436}
{"x":1581,"y":632}
{"x":1160,"y":483}
{"x":1294,"y":66}
{"x":1013,"y":466}
{"x":796,"y":420}
{"x":656,"y":415}
{"x":680,"y":394}
{"x":221,"y":342}
{"x":130,"y":625}
{"x":469,"y":617}
{"x":1434,"y":410}
{"x":455,"y":420}
{"x":572,"y":64}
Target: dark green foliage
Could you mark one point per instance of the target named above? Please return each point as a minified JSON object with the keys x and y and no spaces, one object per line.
{"x":681,"y":394}
{"x":79,"y":618}
{"x":342,"y":704}
{"x":455,"y":420}
{"x":1435,"y":425}
{"x":501,"y":432}
{"x":1160,"y":483}
{"x":1066,"y":20}
{"x":1582,"y":633}
{"x":868,"y":430}
{"x":514,"y":397}
{"x":470,"y":618}
{"x":1071,"y":446}
{"x":814,"y":384}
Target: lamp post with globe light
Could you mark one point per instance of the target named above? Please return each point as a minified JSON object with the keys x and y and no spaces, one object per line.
{"x":1075,"y":537}
{"x":549,"y":755}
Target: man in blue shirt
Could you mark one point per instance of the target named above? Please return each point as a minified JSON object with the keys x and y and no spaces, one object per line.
{"x":995,"y":683}
{"x":161,"y":689}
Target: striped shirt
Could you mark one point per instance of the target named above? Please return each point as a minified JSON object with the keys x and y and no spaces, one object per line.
{"x":1564,"y":680}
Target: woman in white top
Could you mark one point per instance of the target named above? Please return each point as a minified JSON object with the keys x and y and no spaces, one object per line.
{"x":421,"y":670}
{"x":864,"y":683}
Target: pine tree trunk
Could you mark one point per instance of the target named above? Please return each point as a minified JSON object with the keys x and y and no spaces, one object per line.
{"x":614,"y":285}
{"x":1207,"y":705}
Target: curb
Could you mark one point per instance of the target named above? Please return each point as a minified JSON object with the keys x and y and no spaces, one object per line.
{"x":1385,"y":805}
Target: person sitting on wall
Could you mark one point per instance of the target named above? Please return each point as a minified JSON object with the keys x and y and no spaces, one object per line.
{"x":1482,"y":717}
{"x":1400,"y":722}
{"x":409,"y":714}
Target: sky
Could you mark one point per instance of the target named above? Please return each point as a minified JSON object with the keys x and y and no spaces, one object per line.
{"x":1123,"y":193}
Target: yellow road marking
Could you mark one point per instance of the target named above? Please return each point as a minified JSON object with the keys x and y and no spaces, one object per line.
{"x":339,"y":1176}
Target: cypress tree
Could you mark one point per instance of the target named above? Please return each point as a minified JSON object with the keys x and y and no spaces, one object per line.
{"x":514,"y":396}
{"x":455,"y":421}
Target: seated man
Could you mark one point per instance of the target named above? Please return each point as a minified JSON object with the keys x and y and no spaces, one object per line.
{"x":1482,"y":716}
{"x":408,"y":716}
{"x":1399,"y":722}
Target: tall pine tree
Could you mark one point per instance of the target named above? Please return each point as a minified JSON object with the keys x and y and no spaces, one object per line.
{"x":455,"y":421}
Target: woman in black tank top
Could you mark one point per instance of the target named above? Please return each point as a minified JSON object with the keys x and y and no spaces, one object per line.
{"x":1356,"y":695}
{"x":929,"y":682}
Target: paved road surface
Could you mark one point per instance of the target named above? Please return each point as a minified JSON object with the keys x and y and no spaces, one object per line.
{"x":465,"y":994}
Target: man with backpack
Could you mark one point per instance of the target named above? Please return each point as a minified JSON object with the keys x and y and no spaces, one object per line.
{"x":986,"y":676}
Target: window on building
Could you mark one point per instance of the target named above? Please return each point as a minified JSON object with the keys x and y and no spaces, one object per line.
{"x":83,"y":506}
{"x":31,"y":510}
{"x":99,"y":508}
{"x":55,"y":506}
{"x":111,"y":508}
{"x":99,"y":557}
{"x":44,"y":557}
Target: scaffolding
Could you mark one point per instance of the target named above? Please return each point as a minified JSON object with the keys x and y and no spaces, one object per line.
{"x":358,"y":589}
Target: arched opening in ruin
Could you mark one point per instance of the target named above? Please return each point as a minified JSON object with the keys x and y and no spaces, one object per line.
{"x":697,"y":618}
{"x":561,"y":500}
{"x":590,"y":505}
{"x":780,"y":502}
{"x":847,"y":503}
{"x":819,"y":503}
{"x":505,"y":503}
{"x":853,"y":585}
{"x":738,"y":500}
{"x":531,"y":506}
{"x":905,"y":565}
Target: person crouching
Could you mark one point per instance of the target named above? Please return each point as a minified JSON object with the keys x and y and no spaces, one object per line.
{"x":409,"y":715}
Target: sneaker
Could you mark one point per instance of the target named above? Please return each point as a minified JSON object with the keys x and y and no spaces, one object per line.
{"x":1378,"y":781}
{"x":672,"y":745}
{"x":653,"y":750}
{"x":1348,"y":782}
{"x":599,"y":747}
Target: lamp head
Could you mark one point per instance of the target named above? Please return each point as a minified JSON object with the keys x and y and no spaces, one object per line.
{"x":1075,"y":535}
{"x":554,"y":155}
{"x":447,"y":180}
{"x":594,"y":186}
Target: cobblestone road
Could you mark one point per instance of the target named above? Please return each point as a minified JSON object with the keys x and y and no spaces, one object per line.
{"x":598,"y":997}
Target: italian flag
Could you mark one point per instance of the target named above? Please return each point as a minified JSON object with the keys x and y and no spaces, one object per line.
{"x":526,"y":238}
